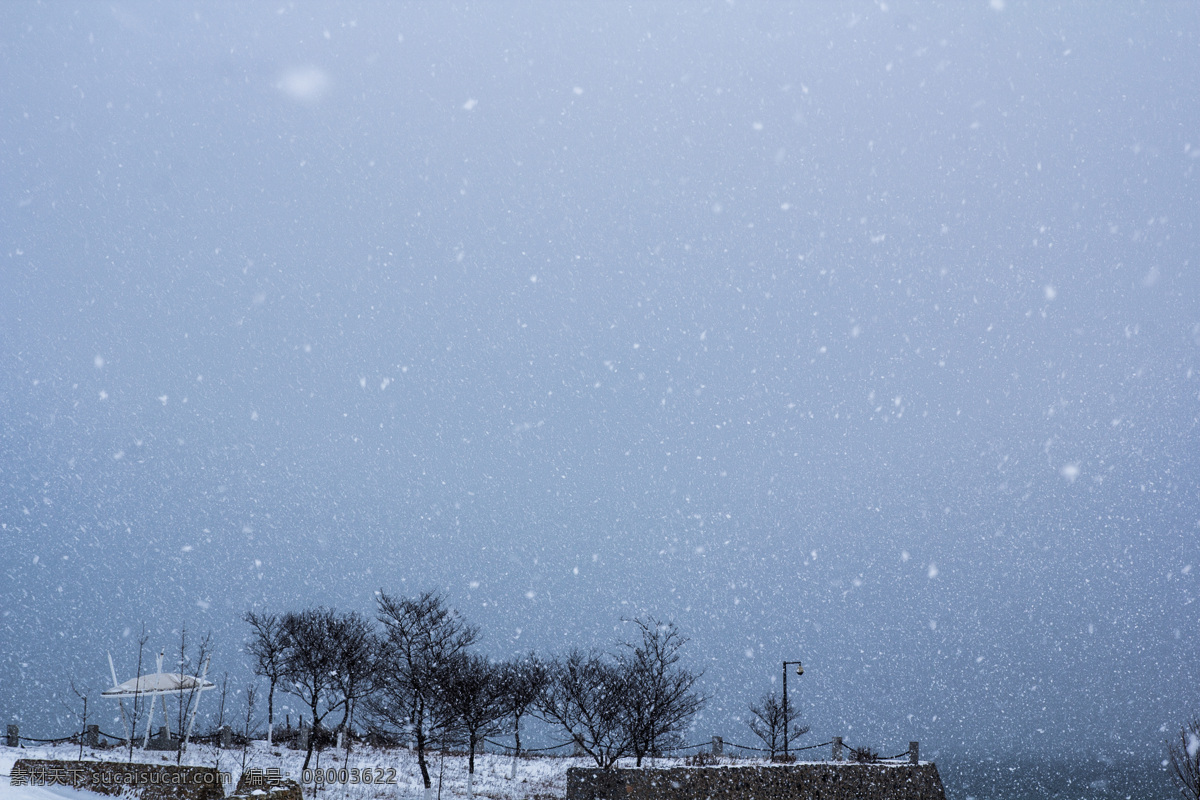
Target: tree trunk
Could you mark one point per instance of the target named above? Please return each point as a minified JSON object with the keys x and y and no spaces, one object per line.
{"x":420,"y":730}
{"x":308,"y":753}
{"x":312,"y":738}
{"x":471,"y":767}
{"x":270,"y":713}
{"x":516,"y":753}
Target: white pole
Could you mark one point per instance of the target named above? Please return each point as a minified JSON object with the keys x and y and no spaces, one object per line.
{"x":166,"y":719}
{"x":196,"y":707}
{"x":149,"y":720}
{"x":113,"y":670}
{"x":153,"y":697}
{"x":120,"y":702}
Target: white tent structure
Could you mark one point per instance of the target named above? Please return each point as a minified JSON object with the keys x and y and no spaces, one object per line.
{"x":160,"y":683}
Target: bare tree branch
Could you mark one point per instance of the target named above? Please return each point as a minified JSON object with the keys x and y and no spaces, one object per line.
{"x":311,"y":666}
{"x":473,"y":689}
{"x":661,"y":700}
{"x":268,"y":647}
{"x":1184,"y":756}
{"x":525,"y":680}
{"x":586,"y":695}
{"x":422,"y":635}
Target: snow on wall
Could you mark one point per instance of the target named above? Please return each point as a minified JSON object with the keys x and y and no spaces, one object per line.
{"x":817,"y":781}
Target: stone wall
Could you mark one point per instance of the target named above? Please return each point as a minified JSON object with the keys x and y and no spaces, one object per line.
{"x":821,"y":781}
{"x":143,"y":781}
{"x":266,"y":784}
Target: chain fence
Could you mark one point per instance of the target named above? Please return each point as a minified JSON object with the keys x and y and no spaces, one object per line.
{"x":856,"y":754}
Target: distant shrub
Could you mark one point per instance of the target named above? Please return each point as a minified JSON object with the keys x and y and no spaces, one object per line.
{"x":381,"y":739}
{"x":322,"y":737}
{"x":864,"y":755}
{"x":285,"y":736}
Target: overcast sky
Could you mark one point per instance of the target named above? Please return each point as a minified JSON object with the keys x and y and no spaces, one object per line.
{"x":862,"y":334}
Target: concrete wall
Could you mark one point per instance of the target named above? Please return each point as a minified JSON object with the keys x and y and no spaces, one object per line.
{"x":143,"y":781}
{"x":825,"y":781}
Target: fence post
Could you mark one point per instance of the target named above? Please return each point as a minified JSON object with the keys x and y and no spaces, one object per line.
{"x":14,"y":737}
{"x":303,"y":744}
{"x":837,"y":748}
{"x":718,"y":746}
{"x":92,"y":737}
{"x":914,"y":753}
{"x":226,"y":737}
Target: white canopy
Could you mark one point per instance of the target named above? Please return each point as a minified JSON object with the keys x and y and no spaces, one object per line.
{"x":159,"y":683}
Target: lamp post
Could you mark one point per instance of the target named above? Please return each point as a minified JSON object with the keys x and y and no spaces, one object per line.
{"x":799,"y":672}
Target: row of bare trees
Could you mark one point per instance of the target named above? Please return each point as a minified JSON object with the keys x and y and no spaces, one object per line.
{"x":628,"y":703}
{"x":416,"y":677}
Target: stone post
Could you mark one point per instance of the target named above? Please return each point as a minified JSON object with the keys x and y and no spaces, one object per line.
{"x":14,"y":737}
{"x":718,"y":746}
{"x":226,"y":737}
{"x":303,"y":739}
{"x":92,"y":737}
{"x":914,"y":753}
{"x":837,"y":748}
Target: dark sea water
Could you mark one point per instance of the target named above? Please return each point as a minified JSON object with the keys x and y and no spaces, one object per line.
{"x":1025,"y":778}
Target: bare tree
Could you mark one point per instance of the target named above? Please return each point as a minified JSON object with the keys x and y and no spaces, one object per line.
{"x":525,"y":680}
{"x":268,"y":647}
{"x":473,"y":689}
{"x":395,"y":709}
{"x":661,"y":700}
{"x":767,"y":723}
{"x":199,"y":668}
{"x":422,"y":635}
{"x":221,"y":705}
{"x":133,"y":720}
{"x":181,"y":665}
{"x":1185,"y":760}
{"x":311,"y":666}
{"x":586,"y":695}
{"x":83,"y":717}
{"x":355,"y":649}
{"x":248,"y":723}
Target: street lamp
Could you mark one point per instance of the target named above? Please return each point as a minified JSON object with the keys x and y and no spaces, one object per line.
{"x":799,"y":672}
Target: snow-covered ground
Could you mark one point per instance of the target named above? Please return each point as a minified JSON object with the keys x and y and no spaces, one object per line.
{"x":537,"y":778}
{"x":8,"y":792}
